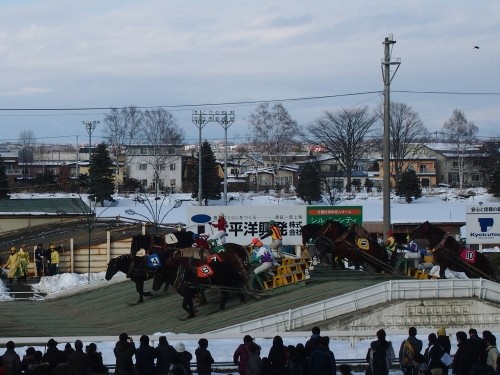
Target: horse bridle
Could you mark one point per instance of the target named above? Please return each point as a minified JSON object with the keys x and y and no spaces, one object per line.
{"x":441,"y":243}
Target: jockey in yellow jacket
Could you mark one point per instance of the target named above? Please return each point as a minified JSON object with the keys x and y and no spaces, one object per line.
{"x":277,"y":239}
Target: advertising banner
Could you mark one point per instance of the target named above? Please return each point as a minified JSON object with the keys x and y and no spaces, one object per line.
{"x":343,"y":214}
{"x":483,"y":224}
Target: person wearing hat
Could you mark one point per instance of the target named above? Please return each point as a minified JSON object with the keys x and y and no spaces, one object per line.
{"x":263,"y":256}
{"x":444,"y":341}
{"x":241,"y":354}
{"x":183,"y":358}
{"x":276,"y":239}
{"x":24,"y":260}
{"x":13,"y":264}
{"x":54,"y":259}
{"x":221,"y":226}
{"x":138,"y":272}
{"x":53,"y":356}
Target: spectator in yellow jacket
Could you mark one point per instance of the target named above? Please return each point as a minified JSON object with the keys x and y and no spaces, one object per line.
{"x":13,"y":264}
{"x":24,"y":261}
{"x":54,"y":259}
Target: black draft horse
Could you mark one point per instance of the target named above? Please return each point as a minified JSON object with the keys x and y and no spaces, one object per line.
{"x":188,"y":276}
{"x":311,"y":232}
{"x":448,"y":253}
{"x":122,"y":263}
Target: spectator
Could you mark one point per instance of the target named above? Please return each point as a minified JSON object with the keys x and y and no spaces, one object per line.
{"x":322,"y":361}
{"x":124,"y":351}
{"x":241,"y":355}
{"x":204,"y":358}
{"x":28,"y":360}
{"x":457,"y":358}
{"x":254,"y":365}
{"x":444,"y":341}
{"x":68,"y":349}
{"x":183,"y":357}
{"x":278,"y":357}
{"x":345,"y":369}
{"x":433,"y":355}
{"x":300,"y":351}
{"x":165,"y":354}
{"x":40,"y":261}
{"x":2,"y":368}
{"x":96,"y":364}
{"x":11,"y":360}
{"x":79,"y":359}
{"x":408,"y":356}
{"x":145,"y":357}
{"x":294,"y":363}
{"x":474,"y":352}
{"x":24,"y":261}
{"x":491,"y":349}
{"x":64,"y":369}
{"x":53,"y":355}
{"x":12,"y":265}
{"x":54,"y":260}
{"x":380,"y":354}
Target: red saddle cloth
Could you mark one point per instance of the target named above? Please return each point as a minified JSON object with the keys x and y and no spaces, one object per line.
{"x":204,"y":271}
{"x":468,"y":255}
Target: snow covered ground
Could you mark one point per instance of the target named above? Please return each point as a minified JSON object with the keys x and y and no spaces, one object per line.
{"x":437,"y":205}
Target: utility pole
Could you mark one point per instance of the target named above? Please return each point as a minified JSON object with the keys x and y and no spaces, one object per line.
{"x":386,"y":74}
{"x":225,"y":119}
{"x":200,"y":119}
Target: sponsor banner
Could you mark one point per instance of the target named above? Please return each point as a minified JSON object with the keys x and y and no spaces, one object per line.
{"x":247,"y":222}
{"x":483,"y":224}
{"x":343,"y":214}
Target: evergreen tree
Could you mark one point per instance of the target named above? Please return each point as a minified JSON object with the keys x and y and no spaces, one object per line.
{"x":100,"y":182}
{"x":494,"y":182}
{"x":309,"y":184}
{"x":4,"y":182}
{"x":409,"y":186}
{"x":368,"y":185}
{"x":211,"y":183}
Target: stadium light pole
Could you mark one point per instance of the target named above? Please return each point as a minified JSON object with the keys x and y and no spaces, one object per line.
{"x":90,"y":127}
{"x":225,"y":119}
{"x":200,"y":119}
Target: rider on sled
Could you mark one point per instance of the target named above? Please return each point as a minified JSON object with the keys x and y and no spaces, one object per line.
{"x":263,"y":256}
{"x":221,"y":226}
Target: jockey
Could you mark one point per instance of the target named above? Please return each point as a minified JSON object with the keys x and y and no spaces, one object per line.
{"x":221,"y":226}
{"x":277,"y":239}
{"x":263,"y":256}
{"x":390,"y":243}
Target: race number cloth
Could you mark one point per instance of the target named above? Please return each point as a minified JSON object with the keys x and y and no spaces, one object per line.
{"x":468,"y":255}
{"x":153,"y":261}
{"x":204,"y":271}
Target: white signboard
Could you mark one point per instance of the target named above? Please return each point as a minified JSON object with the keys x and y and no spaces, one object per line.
{"x":483,"y":224}
{"x":247,"y":222}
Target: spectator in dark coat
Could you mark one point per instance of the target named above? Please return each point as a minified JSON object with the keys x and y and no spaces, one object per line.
{"x":474,"y":352}
{"x":300,"y":351}
{"x":165,"y":354}
{"x":241,"y":354}
{"x":53,"y":355}
{"x":294,"y":362}
{"x":313,"y":341}
{"x":11,"y":360}
{"x":457,"y":358}
{"x":322,"y":361}
{"x":145,"y":357}
{"x":28,"y":360}
{"x":96,"y":364}
{"x":433,"y":355}
{"x":183,"y":357}
{"x":124,"y":351}
{"x":79,"y":359}
{"x":254,"y":366}
{"x":278,"y":356}
{"x":68,"y":350}
{"x":204,"y":358}
{"x":444,"y":341}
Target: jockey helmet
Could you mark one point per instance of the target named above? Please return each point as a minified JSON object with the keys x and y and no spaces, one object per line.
{"x":221,"y":214}
{"x":257,"y":242}
{"x":390,"y":233}
{"x":141,"y":253}
{"x":272,"y":222}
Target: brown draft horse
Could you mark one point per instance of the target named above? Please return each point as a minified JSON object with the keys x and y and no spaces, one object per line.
{"x":448,"y":253}
{"x":188,"y":276}
{"x":311,"y":232}
{"x":355,"y":244}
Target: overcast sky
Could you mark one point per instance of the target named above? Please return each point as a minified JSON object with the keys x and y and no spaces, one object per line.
{"x":186,"y":54}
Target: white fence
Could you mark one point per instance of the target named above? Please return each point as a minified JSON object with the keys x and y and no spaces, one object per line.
{"x":294,"y":319}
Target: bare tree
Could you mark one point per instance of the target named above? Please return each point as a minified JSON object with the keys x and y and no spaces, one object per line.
{"x":460,"y":133}
{"x":274,"y":132}
{"x":407,"y":136}
{"x":343,"y":135}
{"x":28,"y":141}
{"x":160,"y":133}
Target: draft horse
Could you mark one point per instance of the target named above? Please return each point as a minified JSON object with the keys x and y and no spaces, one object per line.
{"x":326,"y":239}
{"x":311,"y":232}
{"x":189,"y":275}
{"x":448,"y":253}
{"x":122,"y":263}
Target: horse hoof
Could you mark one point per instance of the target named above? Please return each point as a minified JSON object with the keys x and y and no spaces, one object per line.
{"x":148,"y":294}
